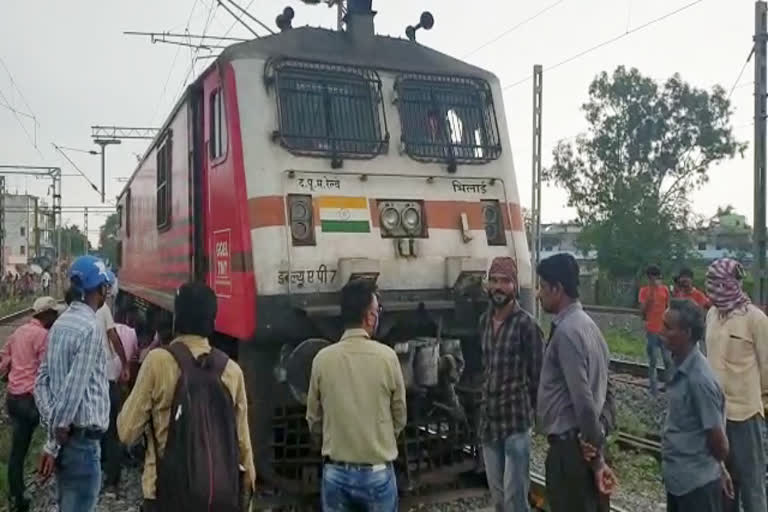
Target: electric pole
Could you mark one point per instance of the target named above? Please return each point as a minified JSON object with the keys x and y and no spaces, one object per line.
{"x":536,"y":182}
{"x":759,"y":236}
{"x":107,"y":135}
{"x":104,"y":143}
{"x":37,"y":227}
{"x":2,"y":224}
{"x":85,"y":228}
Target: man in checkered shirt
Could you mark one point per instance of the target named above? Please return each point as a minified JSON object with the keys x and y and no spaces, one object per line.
{"x":512,"y":358}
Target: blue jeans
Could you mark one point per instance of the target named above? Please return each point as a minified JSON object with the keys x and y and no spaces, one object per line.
{"x":654,"y":343}
{"x":506,"y":467}
{"x":362,"y":489}
{"x":78,"y":475}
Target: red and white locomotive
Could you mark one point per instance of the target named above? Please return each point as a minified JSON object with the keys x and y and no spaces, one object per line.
{"x":301,"y":160}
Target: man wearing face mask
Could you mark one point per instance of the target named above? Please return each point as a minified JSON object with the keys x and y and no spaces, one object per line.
{"x":512,"y":358}
{"x":356,"y":402}
{"x":72,"y":391}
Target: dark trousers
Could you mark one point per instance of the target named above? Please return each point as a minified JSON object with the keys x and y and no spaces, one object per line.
{"x":708,"y":498}
{"x":149,"y":506}
{"x":111,"y":447}
{"x":24,"y":420}
{"x":570,"y":480}
{"x":746,"y":464}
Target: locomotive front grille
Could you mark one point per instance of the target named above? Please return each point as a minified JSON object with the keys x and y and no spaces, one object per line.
{"x":428,"y":450}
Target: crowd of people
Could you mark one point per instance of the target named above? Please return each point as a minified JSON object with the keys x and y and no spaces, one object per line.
{"x":724,"y":380}
{"x":27,"y":284}
{"x":99,"y":386}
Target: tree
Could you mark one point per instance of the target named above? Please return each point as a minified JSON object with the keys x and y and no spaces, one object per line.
{"x":727,"y":210}
{"x":108,"y":238}
{"x":73,"y":242}
{"x":629,"y":178}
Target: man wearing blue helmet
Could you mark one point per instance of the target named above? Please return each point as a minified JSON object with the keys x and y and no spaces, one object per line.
{"x":72,"y":392}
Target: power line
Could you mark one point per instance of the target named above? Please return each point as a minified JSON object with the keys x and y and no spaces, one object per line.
{"x":236,"y":19}
{"x":254,"y":18}
{"x":25,"y":114}
{"x":746,"y":62}
{"x":15,"y":86}
{"x":609,"y":41}
{"x":513,"y":28}
{"x":170,"y":70}
{"x":21,"y":123}
{"x":211,"y":15}
{"x":73,"y":164}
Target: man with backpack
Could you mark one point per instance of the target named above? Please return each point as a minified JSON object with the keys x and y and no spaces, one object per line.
{"x":191,"y":400}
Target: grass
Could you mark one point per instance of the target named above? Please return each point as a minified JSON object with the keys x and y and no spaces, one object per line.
{"x":13,"y":305}
{"x":625,"y":343}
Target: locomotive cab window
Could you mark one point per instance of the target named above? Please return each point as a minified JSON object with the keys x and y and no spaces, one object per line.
{"x":164,"y":164}
{"x":329,"y":110}
{"x":447,"y":119}
{"x":218,"y":126}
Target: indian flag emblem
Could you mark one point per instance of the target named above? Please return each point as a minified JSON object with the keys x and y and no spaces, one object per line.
{"x":344,"y":214}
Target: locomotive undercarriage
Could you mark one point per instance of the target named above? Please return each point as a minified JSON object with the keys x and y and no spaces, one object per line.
{"x":435,"y":336}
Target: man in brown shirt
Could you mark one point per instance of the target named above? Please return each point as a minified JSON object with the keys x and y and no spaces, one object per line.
{"x":148,"y":407}
{"x":356,"y":400}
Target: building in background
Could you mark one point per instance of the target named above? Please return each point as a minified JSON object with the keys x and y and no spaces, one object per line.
{"x":27,"y":229}
{"x":725,"y":234}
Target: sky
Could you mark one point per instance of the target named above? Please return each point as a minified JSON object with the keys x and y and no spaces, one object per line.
{"x":70,"y":66}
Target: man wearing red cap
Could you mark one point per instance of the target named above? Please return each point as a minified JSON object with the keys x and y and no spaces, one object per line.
{"x":512,"y":358}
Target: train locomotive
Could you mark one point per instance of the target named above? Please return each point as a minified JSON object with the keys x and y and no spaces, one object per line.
{"x":302,"y":160}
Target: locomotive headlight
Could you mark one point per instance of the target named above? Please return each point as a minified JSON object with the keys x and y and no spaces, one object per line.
{"x":412,"y":220}
{"x":390,"y":218}
{"x":402,"y":218}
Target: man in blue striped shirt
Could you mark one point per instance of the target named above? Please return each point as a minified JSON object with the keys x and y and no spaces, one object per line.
{"x":72,"y":392}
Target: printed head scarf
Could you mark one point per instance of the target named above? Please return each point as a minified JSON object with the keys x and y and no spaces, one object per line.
{"x":724,"y":278}
{"x":504,"y":265}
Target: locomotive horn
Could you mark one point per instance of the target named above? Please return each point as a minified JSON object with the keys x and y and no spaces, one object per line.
{"x":427,"y":21}
{"x":284,"y":20}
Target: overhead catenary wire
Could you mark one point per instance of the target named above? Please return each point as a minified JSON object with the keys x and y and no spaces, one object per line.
{"x":32,"y":140}
{"x":251,"y":16}
{"x":513,"y":28}
{"x":743,"y":68}
{"x":209,"y":19}
{"x":15,"y":86}
{"x":73,"y":164}
{"x":170,"y":70}
{"x":236,"y":19}
{"x":608,"y":42}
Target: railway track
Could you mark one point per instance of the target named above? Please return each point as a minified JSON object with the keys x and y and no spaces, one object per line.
{"x":15,"y":316}
{"x":647,"y":443}
{"x":537,"y":496}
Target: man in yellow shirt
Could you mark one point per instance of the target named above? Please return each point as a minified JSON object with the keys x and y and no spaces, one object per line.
{"x":737,"y":350}
{"x":356,"y":401}
{"x":148,"y":409}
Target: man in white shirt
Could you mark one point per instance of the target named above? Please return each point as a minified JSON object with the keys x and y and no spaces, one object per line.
{"x":110,"y":446}
{"x":45,"y":282}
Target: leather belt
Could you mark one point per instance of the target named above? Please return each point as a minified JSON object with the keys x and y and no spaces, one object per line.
{"x":85,"y":433}
{"x":359,"y":466}
{"x":565,"y":436}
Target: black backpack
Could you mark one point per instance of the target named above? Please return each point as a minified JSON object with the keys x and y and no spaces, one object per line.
{"x":199,"y":469}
